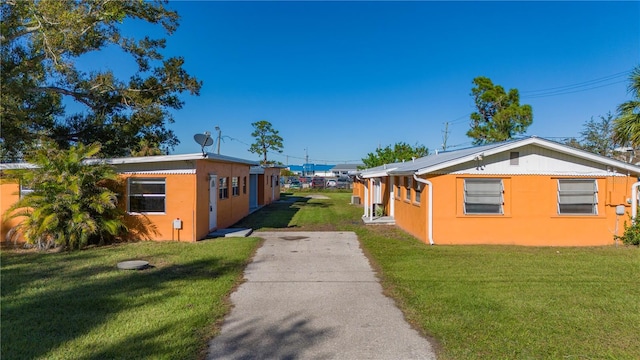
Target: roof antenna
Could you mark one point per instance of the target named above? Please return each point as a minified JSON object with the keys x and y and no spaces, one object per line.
{"x":204,"y":140}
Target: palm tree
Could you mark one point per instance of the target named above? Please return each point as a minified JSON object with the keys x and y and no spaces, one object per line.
{"x":627,"y":125}
{"x":71,"y":204}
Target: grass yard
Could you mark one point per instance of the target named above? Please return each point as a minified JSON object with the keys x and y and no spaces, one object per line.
{"x":492,"y":302}
{"x":477,"y":302}
{"x":80,"y":306}
{"x":506,"y":302}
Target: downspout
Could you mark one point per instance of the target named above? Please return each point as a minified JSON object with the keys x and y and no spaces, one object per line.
{"x":392,"y":197}
{"x":430,"y":208}
{"x":634,"y":200}
{"x":365,"y":184}
{"x":370,"y":205}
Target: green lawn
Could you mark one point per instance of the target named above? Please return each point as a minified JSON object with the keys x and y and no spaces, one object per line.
{"x":80,"y":306}
{"x":495,"y":302}
{"x":506,"y":302}
{"x":477,"y":302}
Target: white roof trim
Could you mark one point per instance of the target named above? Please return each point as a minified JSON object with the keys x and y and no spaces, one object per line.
{"x":545,"y":173}
{"x":159,"y":172}
{"x":169,"y":158}
{"x":374,"y":174}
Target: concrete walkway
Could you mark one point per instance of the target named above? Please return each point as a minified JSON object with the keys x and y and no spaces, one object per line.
{"x":313,"y":295}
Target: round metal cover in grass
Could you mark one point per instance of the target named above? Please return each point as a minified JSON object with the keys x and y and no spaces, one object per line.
{"x":133,"y":265}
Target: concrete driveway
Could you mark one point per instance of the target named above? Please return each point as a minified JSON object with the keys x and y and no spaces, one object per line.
{"x":313,"y":295}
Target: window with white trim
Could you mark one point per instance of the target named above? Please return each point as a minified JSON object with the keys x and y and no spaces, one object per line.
{"x":223,"y":188}
{"x":483,"y":196}
{"x":408,"y":182}
{"x":235,"y":186}
{"x":577,"y":197}
{"x":398,"y":189}
{"x":24,"y":190}
{"x":147,"y":195}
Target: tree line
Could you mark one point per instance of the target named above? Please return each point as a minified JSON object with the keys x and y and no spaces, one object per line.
{"x":500,"y":117}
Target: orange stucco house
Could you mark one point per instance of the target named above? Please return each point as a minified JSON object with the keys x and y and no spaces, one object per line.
{"x":522,"y":192}
{"x":179,"y":197}
{"x":264,"y":185}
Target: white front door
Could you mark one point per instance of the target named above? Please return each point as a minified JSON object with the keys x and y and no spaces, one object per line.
{"x":377,"y":191}
{"x":213,"y":202}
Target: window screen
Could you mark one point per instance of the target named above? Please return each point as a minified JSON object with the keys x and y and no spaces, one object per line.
{"x":235,"y":189}
{"x":483,"y":196}
{"x":223,"y":188}
{"x":408,"y":183}
{"x":25,"y":190}
{"x":147,"y":195}
{"x":577,"y":196}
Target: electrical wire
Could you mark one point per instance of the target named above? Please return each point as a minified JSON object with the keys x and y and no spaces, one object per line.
{"x":597,"y":83}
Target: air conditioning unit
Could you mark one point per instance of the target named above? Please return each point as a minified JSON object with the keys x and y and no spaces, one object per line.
{"x":355,"y":200}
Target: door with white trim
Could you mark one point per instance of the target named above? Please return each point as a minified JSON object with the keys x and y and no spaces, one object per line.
{"x":377,"y":191}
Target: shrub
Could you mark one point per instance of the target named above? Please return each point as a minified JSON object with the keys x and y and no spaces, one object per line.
{"x":71,"y":205}
{"x":631,"y":235}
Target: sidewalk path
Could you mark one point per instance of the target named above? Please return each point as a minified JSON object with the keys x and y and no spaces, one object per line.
{"x":313,"y":295}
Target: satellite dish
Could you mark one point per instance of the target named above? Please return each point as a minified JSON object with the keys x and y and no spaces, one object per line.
{"x":204,"y":140}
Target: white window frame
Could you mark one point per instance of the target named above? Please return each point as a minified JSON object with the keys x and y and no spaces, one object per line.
{"x":153,"y":181}
{"x":24,"y":190}
{"x":417,"y":197}
{"x":235,"y":186}
{"x":476,"y":196}
{"x":408,"y":184}
{"x":569,"y":200}
{"x":223,"y":188}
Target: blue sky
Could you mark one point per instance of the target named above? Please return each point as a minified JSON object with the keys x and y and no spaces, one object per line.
{"x":338,"y":79}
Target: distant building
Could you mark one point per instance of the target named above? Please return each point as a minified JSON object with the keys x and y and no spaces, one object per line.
{"x":312,"y":169}
{"x":345,"y":169}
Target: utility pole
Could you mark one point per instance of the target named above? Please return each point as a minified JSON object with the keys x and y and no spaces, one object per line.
{"x":445,"y":136}
{"x":306,"y":161}
{"x":219,"y":137}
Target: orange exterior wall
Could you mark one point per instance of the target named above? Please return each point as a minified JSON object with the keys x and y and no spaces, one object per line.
{"x":530,"y":214}
{"x":230,"y":210}
{"x":358,"y":190}
{"x":179,"y":204}
{"x":410,"y":215}
{"x":187,"y":199}
{"x":269,"y":186}
{"x":9,"y":195}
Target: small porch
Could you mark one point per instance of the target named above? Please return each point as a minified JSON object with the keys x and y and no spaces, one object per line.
{"x":378,"y":220}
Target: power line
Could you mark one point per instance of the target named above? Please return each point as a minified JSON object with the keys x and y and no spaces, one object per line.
{"x":580,"y":84}
{"x":577,"y":87}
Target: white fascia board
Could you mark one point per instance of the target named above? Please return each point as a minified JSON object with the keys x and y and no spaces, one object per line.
{"x":539,"y":142}
{"x":159,"y":172}
{"x":149,"y":159}
{"x":17,"y":166}
{"x":170,"y":158}
{"x":377,"y":173}
{"x":224,"y":158}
